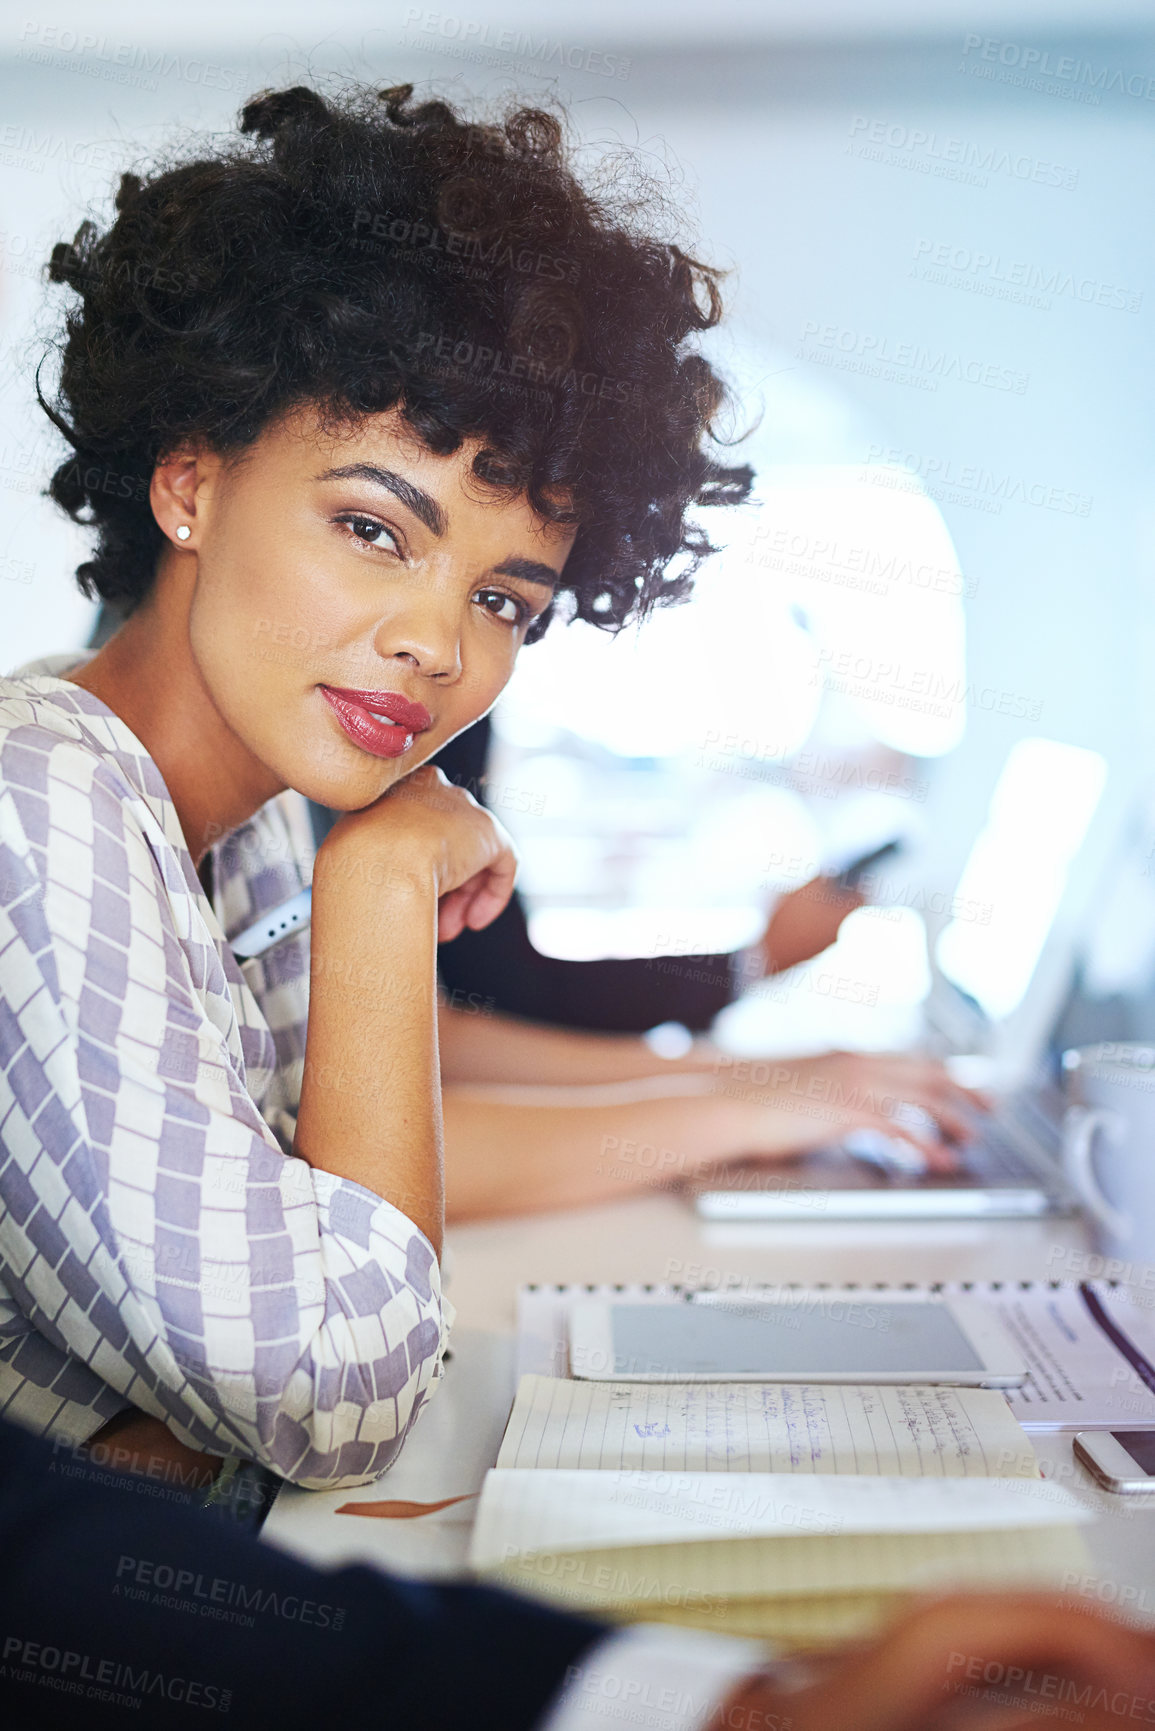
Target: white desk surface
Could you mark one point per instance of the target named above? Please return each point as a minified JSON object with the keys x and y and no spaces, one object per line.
{"x":659,"y":1238}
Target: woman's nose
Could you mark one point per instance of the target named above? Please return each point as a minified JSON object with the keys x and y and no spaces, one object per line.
{"x":427,"y":635}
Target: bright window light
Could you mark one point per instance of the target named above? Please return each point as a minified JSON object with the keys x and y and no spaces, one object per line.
{"x":676,"y":777}
{"x":886,"y":948}
{"x":733,"y":665}
{"x":590,"y":934}
{"x":866,"y":553}
{"x":1015,"y":876}
{"x":861,"y":555}
{"x":862,"y":994}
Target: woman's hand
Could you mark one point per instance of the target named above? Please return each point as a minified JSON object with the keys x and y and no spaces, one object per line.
{"x":792,"y":1104}
{"x":805,"y":922}
{"x":135,"y":1442}
{"x":990,"y":1661}
{"x":426,"y":829}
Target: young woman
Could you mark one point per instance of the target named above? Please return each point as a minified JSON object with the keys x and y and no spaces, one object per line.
{"x":355,"y":400}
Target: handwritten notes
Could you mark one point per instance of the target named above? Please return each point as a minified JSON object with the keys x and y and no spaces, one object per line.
{"x":765,"y":1427}
{"x":795,"y":1511}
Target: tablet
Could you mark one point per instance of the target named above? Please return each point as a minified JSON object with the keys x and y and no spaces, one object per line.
{"x":807,"y":1336}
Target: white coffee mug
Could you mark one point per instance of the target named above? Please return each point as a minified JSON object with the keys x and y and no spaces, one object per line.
{"x":1109,"y":1143}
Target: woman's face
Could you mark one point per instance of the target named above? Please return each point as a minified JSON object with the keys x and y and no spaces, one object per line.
{"x":358,"y":600}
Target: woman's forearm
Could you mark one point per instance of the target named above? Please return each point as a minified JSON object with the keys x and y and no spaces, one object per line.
{"x":518,"y":1151}
{"x":370,"y":1097}
{"x":513,"y":1149}
{"x":480,"y":1046}
{"x":390,"y":881}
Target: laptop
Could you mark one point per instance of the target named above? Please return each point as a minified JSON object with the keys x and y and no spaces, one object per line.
{"x":1011,"y":1171}
{"x":1004,"y":995}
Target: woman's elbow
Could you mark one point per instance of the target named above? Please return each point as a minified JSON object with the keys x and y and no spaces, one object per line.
{"x":354,"y":1418}
{"x":359,"y":1459}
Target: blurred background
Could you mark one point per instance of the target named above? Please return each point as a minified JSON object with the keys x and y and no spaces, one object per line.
{"x":934,"y":621}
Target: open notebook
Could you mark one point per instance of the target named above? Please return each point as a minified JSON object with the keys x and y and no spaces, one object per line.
{"x":798,"y":1512}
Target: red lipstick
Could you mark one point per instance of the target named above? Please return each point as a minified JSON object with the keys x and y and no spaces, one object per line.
{"x":380,"y":722}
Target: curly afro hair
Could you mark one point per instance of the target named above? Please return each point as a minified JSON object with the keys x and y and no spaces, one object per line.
{"x":370,"y":252}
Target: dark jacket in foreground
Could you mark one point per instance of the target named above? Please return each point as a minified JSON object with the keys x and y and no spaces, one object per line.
{"x":122,"y":1603}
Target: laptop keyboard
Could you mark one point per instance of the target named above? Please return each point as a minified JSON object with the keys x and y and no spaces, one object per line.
{"x":994,"y":1157}
{"x":997,"y":1154}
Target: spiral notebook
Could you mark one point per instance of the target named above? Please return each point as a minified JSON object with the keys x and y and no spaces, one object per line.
{"x":1089,"y":1347}
{"x":798,"y":1512}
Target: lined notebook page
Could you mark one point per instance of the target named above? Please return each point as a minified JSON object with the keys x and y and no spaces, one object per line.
{"x":807,"y":1623}
{"x":778,"y":1568}
{"x":765,"y":1427}
{"x":563,"y":1510}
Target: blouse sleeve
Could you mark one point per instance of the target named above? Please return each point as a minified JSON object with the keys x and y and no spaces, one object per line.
{"x":152,"y":1228}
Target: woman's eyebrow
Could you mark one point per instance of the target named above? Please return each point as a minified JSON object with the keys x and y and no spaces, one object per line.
{"x":422,"y":504}
{"x":530,"y":571}
{"x":426,"y":509}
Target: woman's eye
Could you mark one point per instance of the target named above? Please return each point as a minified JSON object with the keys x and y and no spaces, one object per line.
{"x":503,"y":607}
{"x":369,"y":530}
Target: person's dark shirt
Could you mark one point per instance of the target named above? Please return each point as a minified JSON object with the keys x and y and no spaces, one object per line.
{"x":121,"y":1603}
{"x":498,"y":968}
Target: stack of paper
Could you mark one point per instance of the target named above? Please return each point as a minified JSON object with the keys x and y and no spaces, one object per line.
{"x":796,"y":1512}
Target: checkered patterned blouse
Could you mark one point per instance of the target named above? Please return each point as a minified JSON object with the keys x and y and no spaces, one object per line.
{"x":159,"y":1246}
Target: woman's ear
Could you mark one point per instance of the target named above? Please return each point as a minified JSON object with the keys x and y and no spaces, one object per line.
{"x":178,"y":496}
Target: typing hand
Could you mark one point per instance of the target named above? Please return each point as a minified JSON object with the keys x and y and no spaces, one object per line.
{"x":902,"y":1159}
{"x":908,"y":1102}
{"x":985,"y":1662}
{"x":896,"y":1156}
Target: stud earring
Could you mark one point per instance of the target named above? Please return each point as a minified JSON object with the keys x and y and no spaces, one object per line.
{"x":183,"y":531}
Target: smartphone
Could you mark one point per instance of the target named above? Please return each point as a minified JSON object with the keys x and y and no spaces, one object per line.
{"x":274,"y":927}
{"x":850,"y":877}
{"x":1121,"y":1460}
{"x":803,"y":1336}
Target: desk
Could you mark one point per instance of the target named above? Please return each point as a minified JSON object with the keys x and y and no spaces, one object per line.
{"x":657,"y":1238}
